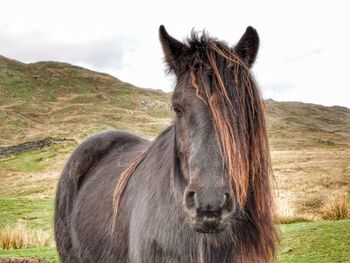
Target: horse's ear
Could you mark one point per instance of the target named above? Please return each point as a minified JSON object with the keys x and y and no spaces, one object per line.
{"x":174,"y":50}
{"x":248,"y":45}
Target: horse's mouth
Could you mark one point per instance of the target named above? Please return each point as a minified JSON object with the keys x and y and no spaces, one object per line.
{"x":208,"y":225}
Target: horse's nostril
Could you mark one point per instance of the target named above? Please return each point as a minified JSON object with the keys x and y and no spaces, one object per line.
{"x":191,"y":194}
{"x":190,"y":199}
{"x":228,"y":205}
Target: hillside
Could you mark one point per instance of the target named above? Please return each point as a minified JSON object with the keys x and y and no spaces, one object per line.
{"x":57,"y":99}
{"x":300,"y":125}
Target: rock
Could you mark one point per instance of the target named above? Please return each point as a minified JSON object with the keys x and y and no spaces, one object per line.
{"x":287,"y":250}
{"x":153,"y":104}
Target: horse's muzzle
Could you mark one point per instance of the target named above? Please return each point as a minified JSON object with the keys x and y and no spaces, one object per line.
{"x":208,"y":210}
{"x":208,"y":225}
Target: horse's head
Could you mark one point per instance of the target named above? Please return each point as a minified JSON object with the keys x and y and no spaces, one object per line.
{"x":218,"y":127}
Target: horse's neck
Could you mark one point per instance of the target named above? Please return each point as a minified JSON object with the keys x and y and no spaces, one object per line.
{"x":158,"y":163}
{"x":162,"y":149}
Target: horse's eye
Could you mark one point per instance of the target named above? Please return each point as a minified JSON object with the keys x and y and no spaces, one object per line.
{"x":178,"y":109}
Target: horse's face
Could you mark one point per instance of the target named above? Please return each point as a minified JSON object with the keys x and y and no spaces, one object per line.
{"x":205,"y":142}
{"x":208,"y":198}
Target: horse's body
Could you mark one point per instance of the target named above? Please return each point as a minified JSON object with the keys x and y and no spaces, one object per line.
{"x":89,"y":237}
{"x":159,"y":218}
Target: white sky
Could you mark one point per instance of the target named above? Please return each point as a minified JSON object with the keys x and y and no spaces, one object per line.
{"x":304,"y":53}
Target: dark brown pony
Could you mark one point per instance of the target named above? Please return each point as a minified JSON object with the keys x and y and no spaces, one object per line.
{"x":200,"y":192}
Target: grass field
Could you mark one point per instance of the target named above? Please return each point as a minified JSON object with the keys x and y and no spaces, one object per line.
{"x":41,"y":253}
{"x":315,"y":242}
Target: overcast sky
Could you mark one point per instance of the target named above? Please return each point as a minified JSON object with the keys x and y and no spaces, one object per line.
{"x":304,"y":54}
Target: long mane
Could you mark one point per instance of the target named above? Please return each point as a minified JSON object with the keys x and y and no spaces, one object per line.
{"x":223,"y":81}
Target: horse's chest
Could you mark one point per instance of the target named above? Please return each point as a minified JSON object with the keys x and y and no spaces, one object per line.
{"x":178,"y":244}
{"x":158,"y":233}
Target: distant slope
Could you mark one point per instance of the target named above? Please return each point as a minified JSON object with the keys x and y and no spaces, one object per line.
{"x":57,"y":99}
{"x":301,"y":125}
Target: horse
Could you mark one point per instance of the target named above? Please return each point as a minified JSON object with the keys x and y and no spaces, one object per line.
{"x":199,"y":192}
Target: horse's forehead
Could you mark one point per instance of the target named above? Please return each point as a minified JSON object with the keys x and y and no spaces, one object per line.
{"x":183,"y":88}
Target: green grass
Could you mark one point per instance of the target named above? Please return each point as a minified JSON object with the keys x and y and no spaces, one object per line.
{"x":324,"y":241}
{"x":87,"y":91}
{"x":41,"y":253}
{"x":35,"y":161}
{"x":25,"y":162}
{"x":37,"y":213}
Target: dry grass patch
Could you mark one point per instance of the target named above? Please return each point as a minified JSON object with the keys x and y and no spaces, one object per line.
{"x":19,"y":236}
{"x":285,"y":214}
{"x":336,"y":209}
{"x":305,"y":178}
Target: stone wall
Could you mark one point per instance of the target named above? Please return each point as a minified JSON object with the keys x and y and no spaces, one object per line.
{"x":30,"y":146}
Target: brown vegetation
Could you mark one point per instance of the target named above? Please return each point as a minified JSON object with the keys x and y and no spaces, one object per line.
{"x":19,"y":236}
{"x":336,"y":209}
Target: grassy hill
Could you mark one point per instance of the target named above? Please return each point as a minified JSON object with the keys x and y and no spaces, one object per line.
{"x":57,"y":99}
{"x":310,"y":144}
{"x":297,"y":125}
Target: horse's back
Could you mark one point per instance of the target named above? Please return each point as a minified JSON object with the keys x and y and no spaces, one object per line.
{"x":110,"y":151}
